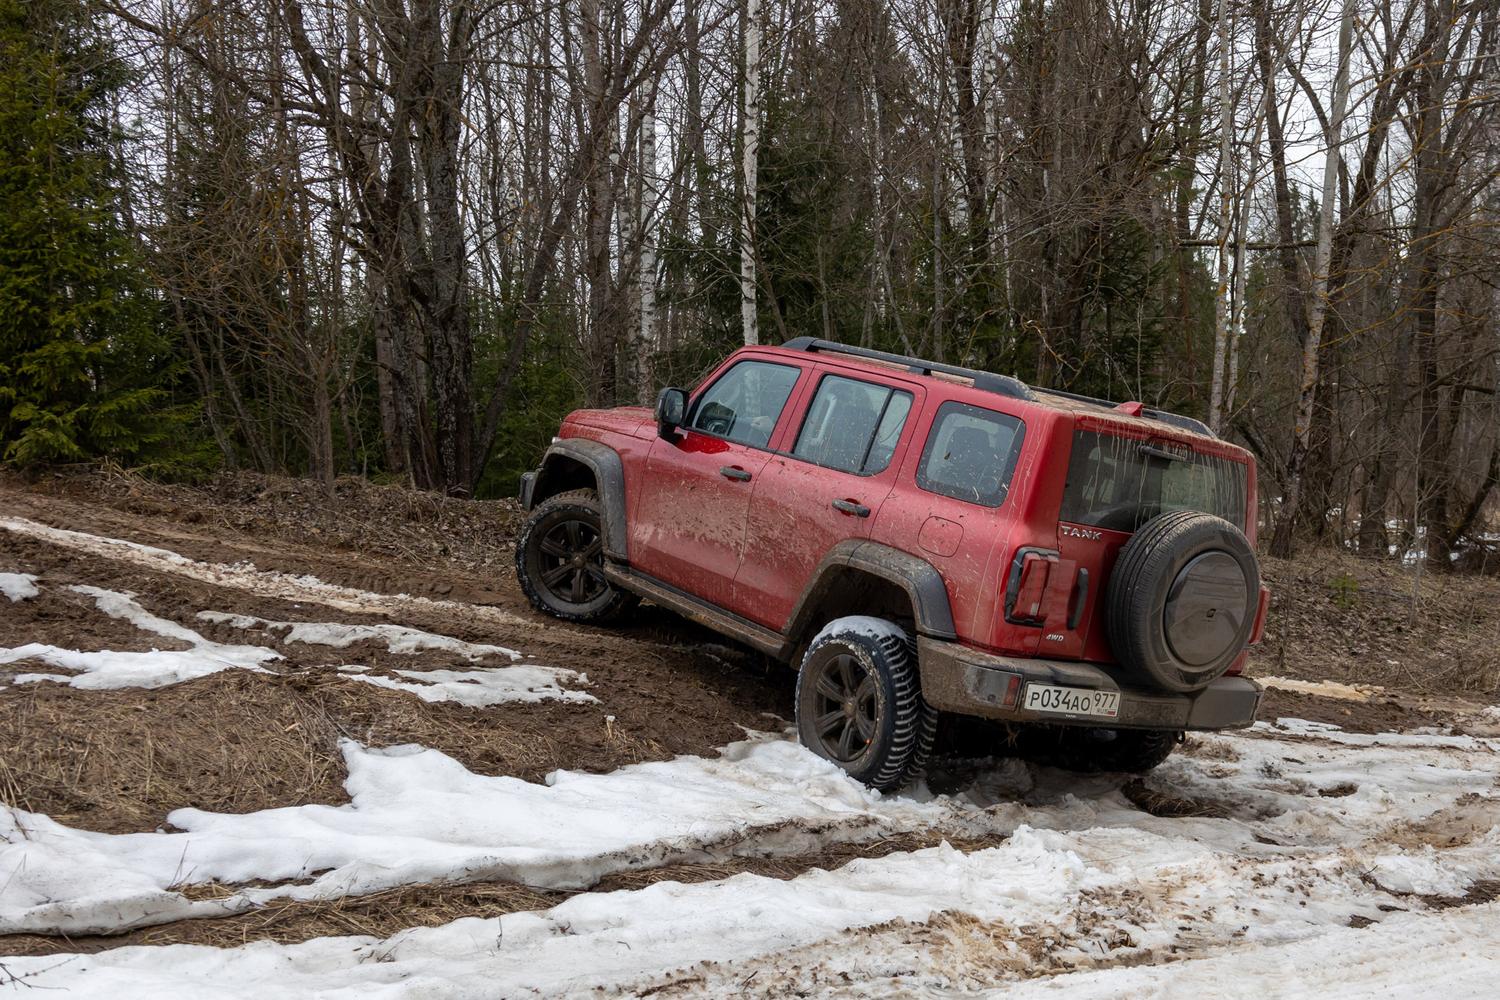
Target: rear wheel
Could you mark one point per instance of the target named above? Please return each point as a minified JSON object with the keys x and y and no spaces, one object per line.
{"x":859,"y":702}
{"x":1090,"y":750}
{"x":560,"y":560}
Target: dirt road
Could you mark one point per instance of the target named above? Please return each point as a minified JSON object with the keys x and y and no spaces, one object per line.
{"x":234,"y":736}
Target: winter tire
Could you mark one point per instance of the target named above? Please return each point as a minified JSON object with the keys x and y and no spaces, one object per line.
{"x":859,"y":701}
{"x":560,"y":560}
{"x":1089,"y":750}
{"x":1182,"y":600}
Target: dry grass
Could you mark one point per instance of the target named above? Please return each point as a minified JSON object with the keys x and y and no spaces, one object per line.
{"x":119,"y":761}
{"x":360,"y":516}
{"x":1338,"y":617}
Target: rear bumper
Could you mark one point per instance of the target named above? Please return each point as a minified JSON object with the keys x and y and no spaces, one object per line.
{"x":956,"y":678}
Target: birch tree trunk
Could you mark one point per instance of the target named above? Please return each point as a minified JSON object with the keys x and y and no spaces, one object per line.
{"x":645,"y":331}
{"x":1221,"y":287}
{"x":1237,"y":301}
{"x":750,"y":139}
{"x":1317,"y":303}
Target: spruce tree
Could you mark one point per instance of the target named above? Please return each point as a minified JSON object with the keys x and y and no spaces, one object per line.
{"x":84,"y":369}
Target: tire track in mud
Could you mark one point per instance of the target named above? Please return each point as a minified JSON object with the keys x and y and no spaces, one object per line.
{"x":1174,"y":915}
{"x":120,"y":760}
{"x":272,"y":584}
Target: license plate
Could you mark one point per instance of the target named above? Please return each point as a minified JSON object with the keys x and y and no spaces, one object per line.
{"x":1055,"y":699}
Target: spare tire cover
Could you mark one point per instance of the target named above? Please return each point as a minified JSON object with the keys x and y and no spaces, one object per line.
{"x":1182,"y":600}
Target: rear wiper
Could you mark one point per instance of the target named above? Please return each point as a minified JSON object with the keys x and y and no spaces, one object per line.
{"x":1153,"y":451}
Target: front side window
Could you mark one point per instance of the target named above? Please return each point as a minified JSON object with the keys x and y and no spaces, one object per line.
{"x":745,"y":403}
{"x":970,"y":454}
{"x":853,"y":426}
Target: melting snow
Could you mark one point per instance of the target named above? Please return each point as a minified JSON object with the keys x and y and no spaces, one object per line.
{"x":156,"y":668}
{"x":481,"y":688}
{"x":397,"y":638}
{"x":418,"y":815}
{"x":934,"y":921}
{"x":18,"y":586}
{"x":246,"y":577}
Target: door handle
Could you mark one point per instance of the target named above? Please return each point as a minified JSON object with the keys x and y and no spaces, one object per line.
{"x":734,"y":472}
{"x":851,"y":507}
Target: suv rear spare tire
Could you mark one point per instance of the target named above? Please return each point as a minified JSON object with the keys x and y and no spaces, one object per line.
{"x":1182,"y":600}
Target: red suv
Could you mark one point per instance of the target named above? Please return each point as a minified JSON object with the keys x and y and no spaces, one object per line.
{"x":917,"y":537}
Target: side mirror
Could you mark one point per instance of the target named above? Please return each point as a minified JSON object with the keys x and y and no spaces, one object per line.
{"x":671,"y":410}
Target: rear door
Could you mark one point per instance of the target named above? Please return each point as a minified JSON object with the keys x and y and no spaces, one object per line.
{"x":1118,"y":479}
{"x":689,"y":524}
{"x":953,"y":506}
{"x":824,"y":487}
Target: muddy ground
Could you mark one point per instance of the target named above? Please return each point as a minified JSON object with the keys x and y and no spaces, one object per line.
{"x":237,"y":741}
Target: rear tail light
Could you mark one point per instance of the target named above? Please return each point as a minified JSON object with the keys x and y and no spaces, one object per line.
{"x":1030,"y":572}
{"x":1259,"y":628}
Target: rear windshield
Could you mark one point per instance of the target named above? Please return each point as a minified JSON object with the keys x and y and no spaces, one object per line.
{"x":1121,"y":483}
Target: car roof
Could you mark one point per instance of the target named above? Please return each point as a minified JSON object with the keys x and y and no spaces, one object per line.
{"x":1129,"y":417}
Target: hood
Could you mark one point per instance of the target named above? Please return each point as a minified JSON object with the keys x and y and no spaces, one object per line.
{"x":619,"y":420}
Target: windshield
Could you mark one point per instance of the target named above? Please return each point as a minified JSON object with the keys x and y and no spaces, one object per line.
{"x":1121,"y":483}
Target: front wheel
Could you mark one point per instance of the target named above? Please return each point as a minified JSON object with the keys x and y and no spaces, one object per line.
{"x":560,"y":560}
{"x":859,"y":702}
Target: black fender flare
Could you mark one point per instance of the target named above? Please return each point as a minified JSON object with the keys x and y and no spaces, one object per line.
{"x":913,"y":574}
{"x":609,"y":482}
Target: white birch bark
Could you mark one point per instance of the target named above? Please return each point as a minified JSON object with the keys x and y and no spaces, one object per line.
{"x":1221,"y":286}
{"x":1237,"y":302}
{"x":750,"y":138}
{"x":1317,"y":308}
{"x":646,"y":329}
{"x":1317,"y":301}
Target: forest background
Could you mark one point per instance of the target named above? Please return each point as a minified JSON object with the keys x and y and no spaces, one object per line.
{"x":399,"y":239}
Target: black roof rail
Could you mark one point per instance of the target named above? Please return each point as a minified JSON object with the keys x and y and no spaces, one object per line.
{"x":1003,"y":385}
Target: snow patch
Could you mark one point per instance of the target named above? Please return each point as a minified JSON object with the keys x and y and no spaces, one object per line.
{"x":1127,"y":917}
{"x":417,"y":815}
{"x":105,"y":669}
{"x":610,"y":939}
{"x":481,"y":688}
{"x":246,"y":577}
{"x":1325,"y":689}
{"x":18,"y":586}
{"x":397,"y":638}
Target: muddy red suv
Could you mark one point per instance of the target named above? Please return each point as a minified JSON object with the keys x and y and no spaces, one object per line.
{"x":916,"y":538}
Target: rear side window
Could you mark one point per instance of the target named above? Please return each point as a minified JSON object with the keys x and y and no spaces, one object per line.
{"x":853,"y":426}
{"x":1121,"y":483}
{"x":745,"y":403}
{"x":970,"y":454}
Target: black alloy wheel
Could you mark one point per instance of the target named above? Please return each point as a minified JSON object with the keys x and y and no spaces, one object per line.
{"x":859,"y":701}
{"x":560,"y":560}
{"x":571,"y":562}
{"x":847,"y":709}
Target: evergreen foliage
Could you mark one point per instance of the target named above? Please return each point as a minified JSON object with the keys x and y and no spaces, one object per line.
{"x":84,"y":369}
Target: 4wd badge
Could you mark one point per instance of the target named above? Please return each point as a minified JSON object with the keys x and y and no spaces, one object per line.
{"x":1070,"y":532}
